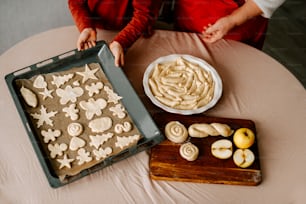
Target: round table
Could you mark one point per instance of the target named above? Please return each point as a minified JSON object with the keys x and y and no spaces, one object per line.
{"x":255,"y":87}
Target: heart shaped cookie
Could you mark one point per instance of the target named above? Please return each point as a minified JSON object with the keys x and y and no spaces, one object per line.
{"x":76,"y":143}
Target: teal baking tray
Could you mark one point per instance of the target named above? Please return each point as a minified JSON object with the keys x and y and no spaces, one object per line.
{"x":137,"y":111}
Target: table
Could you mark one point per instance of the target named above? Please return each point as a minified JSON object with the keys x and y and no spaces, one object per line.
{"x":256,"y":87}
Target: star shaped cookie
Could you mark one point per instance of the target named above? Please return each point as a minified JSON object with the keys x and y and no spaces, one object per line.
{"x":88,"y":74}
{"x":65,"y":162}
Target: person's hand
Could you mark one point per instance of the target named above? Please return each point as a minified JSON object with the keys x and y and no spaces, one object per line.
{"x":218,"y":30}
{"x":118,"y":53}
{"x":87,"y":39}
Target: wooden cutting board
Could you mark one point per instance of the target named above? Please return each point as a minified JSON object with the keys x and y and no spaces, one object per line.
{"x":167,"y":164}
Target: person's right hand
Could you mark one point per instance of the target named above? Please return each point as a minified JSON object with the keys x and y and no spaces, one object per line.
{"x":87,"y":39}
{"x":118,"y":53}
{"x":218,"y":30}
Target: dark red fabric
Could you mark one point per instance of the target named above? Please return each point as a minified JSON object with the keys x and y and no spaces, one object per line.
{"x":132,"y":17}
{"x":193,"y":15}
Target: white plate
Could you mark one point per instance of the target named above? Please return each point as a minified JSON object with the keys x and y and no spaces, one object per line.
{"x":203,"y":64}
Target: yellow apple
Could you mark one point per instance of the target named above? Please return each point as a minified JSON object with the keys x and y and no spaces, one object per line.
{"x":244,"y":138}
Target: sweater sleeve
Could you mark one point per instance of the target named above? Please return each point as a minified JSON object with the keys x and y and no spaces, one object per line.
{"x":268,"y":6}
{"x":81,"y":14}
{"x":144,"y":14}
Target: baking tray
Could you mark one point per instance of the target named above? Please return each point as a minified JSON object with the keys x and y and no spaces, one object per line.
{"x":137,"y":111}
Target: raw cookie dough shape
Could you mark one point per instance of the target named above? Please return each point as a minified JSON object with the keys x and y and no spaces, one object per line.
{"x":76,"y":143}
{"x":93,"y":107}
{"x":76,"y":83}
{"x":69,"y":94}
{"x":40,"y":82}
{"x":57,"y":149}
{"x":83,"y":156}
{"x":126,"y":140}
{"x":44,"y":116}
{"x":214,"y":129}
{"x":125,"y":127}
{"x":61,"y":80}
{"x":100,"y":124}
{"x":71,"y":111}
{"x":111,"y":95}
{"x":118,"y":110}
{"x":176,"y":132}
{"x":46,"y":93}
{"x":98,"y":140}
{"x":94,"y":88}
{"x":189,"y":151}
{"x":50,"y":135}
{"x":88,"y":73}
{"x":75,"y":129}
{"x":102,"y":153}
{"x":29,"y":97}
{"x":65,"y":162}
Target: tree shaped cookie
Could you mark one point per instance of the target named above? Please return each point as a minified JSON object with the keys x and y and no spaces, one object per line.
{"x":126,"y":140}
{"x":98,"y":140}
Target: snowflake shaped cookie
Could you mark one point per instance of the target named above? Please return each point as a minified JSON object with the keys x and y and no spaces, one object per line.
{"x":61,"y":80}
{"x":69,"y":94}
{"x":112,"y":96}
{"x":50,"y":135}
{"x":83,"y":156}
{"x":98,"y":140}
{"x":126,"y":140}
{"x":102,"y":153}
{"x":88,"y":74}
{"x":118,"y":110}
{"x":71,"y":111}
{"x":94,"y":88}
{"x":65,"y":162}
{"x":44,"y":116}
{"x":93,"y":107}
{"x":57,"y":149}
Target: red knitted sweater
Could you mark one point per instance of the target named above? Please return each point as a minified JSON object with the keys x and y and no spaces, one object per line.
{"x":132,"y":17}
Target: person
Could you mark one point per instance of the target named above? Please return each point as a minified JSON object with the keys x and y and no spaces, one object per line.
{"x":239,"y":20}
{"x":133,"y":18}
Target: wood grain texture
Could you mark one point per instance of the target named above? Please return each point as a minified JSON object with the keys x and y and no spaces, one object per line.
{"x":167,"y":164}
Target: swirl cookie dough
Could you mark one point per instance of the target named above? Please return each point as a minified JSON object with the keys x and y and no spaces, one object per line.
{"x":181,"y":84}
{"x":176,"y":132}
{"x":189,"y":151}
{"x":74,"y":129}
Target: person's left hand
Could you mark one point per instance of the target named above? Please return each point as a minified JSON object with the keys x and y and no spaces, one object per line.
{"x":218,"y":30}
{"x":118,"y":53}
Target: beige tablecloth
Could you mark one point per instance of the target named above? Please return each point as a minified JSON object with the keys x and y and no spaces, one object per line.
{"x":255,"y":86}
